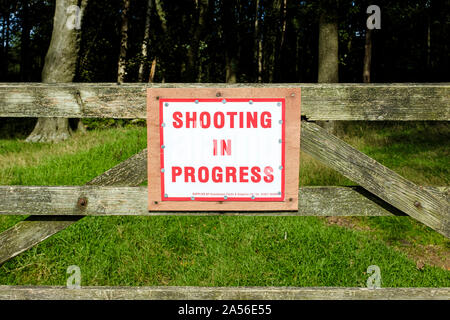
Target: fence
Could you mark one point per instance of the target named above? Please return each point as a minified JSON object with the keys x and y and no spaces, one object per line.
{"x":382,"y":192}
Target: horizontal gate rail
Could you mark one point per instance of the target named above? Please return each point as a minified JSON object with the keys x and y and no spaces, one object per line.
{"x":338,"y":101}
{"x":220,"y":293}
{"x":102,"y":201}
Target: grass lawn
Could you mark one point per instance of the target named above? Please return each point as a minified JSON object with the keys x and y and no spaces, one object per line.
{"x":233,"y":251}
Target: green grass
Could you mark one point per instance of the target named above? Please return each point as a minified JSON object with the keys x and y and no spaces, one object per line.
{"x":74,"y":162}
{"x":227,"y":251}
{"x":418,"y":151}
{"x":217,"y":251}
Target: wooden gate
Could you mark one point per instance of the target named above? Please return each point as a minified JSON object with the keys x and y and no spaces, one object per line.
{"x":382,"y":192}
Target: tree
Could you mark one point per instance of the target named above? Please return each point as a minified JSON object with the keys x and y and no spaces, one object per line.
{"x":161,"y":15}
{"x":258,"y":44}
{"x":273,"y":25}
{"x":25,"y":42}
{"x":372,"y":22}
{"x":281,"y":42}
{"x":144,"y":49}
{"x":231,"y":40}
{"x":60,"y":66}
{"x":250,"y":40}
{"x":328,"y":71}
{"x":163,"y":18}
{"x":121,"y":68}
{"x":7,"y":9}
{"x":328,"y":46}
{"x":199,"y":24}
{"x":367,"y":56}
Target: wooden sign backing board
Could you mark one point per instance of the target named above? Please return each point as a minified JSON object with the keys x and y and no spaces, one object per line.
{"x":292,"y":98}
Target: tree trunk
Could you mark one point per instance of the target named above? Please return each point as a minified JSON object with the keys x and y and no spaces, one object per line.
{"x":279,"y":52}
{"x":2,"y":47}
{"x":275,"y":12}
{"x":429,"y":42}
{"x":231,"y":41}
{"x":2,"y":50}
{"x":298,"y":74}
{"x":193,"y":64}
{"x":328,"y":49}
{"x":231,"y":69}
{"x":328,"y":54}
{"x":144,"y":49}
{"x":50,"y":130}
{"x":283,"y":29}
{"x":162,"y":17}
{"x":6,"y":59}
{"x":24,"y":42}
{"x":151,"y":77}
{"x":260,"y":60}
{"x":258,"y":45}
{"x":60,"y":66}
{"x":367,"y":56}
{"x":121,"y":68}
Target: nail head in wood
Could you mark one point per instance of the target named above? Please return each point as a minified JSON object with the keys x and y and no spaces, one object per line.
{"x":82,"y":202}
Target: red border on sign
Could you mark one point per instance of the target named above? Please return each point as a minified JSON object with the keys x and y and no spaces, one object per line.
{"x":247,"y":199}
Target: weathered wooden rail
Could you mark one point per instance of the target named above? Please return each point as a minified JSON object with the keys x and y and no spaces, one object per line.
{"x":221,"y":293}
{"x":382,"y":192}
{"x":64,"y":200}
{"x":372,"y":102}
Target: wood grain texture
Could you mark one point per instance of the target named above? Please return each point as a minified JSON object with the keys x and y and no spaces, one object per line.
{"x":375,"y":102}
{"x":101,"y":201}
{"x":292,"y":149}
{"x":36,"y":229}
{"x":428,"y":207}
{"x":221,"y":293}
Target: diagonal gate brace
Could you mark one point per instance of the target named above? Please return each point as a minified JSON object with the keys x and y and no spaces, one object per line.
{"x":430,"y":208}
